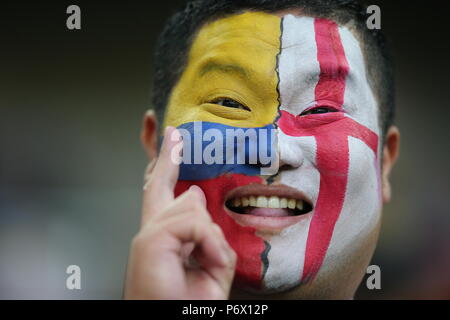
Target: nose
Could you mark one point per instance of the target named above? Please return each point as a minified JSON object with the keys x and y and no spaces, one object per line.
{"x":290,"y":153}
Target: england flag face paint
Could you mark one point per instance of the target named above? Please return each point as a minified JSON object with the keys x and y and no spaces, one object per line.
{"x":305,"y":80}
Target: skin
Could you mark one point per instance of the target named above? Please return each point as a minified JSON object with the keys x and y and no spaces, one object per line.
{"x":176,"y":228}
{"x":172,"y":229}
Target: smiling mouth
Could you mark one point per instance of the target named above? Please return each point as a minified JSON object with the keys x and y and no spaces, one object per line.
{"x":268,"y":201}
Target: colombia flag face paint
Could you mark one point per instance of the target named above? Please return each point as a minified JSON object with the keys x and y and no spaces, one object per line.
{"x":302,"y":82}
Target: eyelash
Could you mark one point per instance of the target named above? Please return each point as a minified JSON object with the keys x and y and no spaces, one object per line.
{"x":316,"y":110}
{"x":240,"y":105}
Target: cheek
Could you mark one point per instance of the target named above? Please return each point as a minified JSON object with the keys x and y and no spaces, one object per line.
{"x":362,"y":205}
{"x":364,"y":185}
{"x":341,"y":175}
{"x":244,"y":241}
{"x":300,"y":151}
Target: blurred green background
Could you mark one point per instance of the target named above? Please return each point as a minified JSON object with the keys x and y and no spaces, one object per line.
{"x":71,"y":164}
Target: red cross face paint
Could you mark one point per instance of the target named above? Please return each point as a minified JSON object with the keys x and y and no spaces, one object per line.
{"x":307,"y":77}
{"x":334,"y":154}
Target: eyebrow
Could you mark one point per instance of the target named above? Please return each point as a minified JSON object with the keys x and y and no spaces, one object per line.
{"x":311,"y":77}
{"x":228,"y":68}
{"x":331,"y":73}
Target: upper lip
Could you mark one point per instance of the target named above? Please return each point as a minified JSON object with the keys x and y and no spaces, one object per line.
{"x":279,"y":190}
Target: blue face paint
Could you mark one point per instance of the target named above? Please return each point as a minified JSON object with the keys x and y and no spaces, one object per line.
{"x":213,"y":149}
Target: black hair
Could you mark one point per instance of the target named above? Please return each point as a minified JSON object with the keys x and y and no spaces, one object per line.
{"x":174,"y":42}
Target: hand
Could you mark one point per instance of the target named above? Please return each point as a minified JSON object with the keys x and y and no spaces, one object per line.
{"x":179,"y":252}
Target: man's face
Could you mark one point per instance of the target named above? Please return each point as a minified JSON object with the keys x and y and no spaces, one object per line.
{"x":315,"y":220}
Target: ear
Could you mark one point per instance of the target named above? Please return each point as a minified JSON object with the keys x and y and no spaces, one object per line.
{"x":149,"y":134}
{"x":390,"y":154}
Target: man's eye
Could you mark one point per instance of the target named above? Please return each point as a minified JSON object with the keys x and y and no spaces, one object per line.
{"x":230,"y":103}
{"x":318,"y":110}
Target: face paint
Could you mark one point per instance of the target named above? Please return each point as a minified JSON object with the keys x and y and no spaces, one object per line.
{"x":213,"y":149}
{"x":279,"y":68}
{"x":339,"y":149}
{"x":222,"y":64}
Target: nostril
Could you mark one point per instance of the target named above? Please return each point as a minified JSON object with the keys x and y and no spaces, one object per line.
{"x":285,"y":167}
{"x":290,"y":152}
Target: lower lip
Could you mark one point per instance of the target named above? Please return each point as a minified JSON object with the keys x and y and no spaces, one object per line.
{"x":267,"y":223}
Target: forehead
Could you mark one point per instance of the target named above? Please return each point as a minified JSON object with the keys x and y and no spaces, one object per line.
{"x":258,"y":30}
{"x":249,"y":27}
{"x":253,"y":38}
{"x":244,"y":44}
{"x":279,"y":53}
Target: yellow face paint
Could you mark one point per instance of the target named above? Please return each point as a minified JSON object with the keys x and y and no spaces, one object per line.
{"x":235,"y":58}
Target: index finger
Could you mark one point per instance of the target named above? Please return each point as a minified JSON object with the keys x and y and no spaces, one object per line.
{"x":159,"y":189}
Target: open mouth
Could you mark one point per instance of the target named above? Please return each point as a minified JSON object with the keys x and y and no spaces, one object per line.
{"x":268,"y":201}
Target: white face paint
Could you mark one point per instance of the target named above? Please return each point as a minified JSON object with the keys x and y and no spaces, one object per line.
{"x":332,"y":156}
{"x":320,"y":242}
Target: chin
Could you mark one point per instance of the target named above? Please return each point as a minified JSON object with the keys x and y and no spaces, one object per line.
{"x":338,"y":278}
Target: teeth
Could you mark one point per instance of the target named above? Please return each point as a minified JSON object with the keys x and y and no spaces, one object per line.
{"x":268,"y":202}
{"x":283,"y":203}
{"x":274,"y":202}
{"x":291,"y":203}
{"x":261,"y":202}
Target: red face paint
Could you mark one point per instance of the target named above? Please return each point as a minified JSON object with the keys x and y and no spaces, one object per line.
{"x":243,"y":240}
{"x":331,"y":132}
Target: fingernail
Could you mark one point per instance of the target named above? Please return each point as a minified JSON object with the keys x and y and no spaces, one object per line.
{"x":167,"y":129}
{"x":167,"y":134}
{"x":175,"y":135}
{"x":195,"y":188}
{"x":200,"y":192}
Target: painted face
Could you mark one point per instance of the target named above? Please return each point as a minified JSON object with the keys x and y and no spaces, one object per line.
{"x":306,"y":79}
